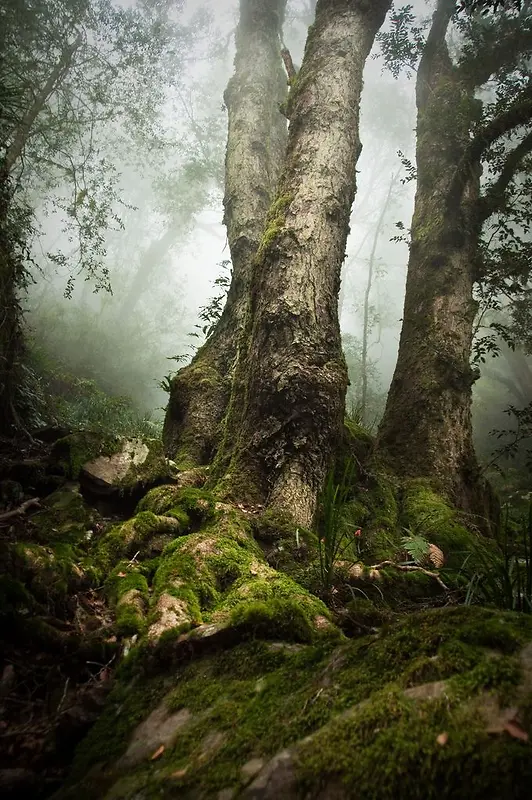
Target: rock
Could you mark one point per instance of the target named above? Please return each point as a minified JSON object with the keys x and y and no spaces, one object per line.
{"x":159,"y":729}
{"x":109,"y":466}
{"x":136,"y":466}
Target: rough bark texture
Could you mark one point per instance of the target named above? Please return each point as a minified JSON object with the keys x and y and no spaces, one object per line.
{"x":426,"y":430}
{"x":255,"y":152}
{"x":288,"y":397}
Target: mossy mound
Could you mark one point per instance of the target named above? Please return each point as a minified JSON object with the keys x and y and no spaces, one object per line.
{"x":143,"y":536}
{"x":437,"y":704}
{"x":426,"y":513}
{"x":49,"y":563}
{"x":287,"y":547}
{"x":172,"y":500}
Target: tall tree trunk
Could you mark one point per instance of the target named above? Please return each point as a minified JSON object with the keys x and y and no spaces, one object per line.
{"x":149,"y":261}
{"x":11,"y":247}
{"x":426,"y":429}
{"x":255,"y":152}
{"x":367,"y":292}
{"x":289,"y":392}
{"x":10,"y":333}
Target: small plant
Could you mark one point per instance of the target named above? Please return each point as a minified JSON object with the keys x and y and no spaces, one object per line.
{"x":211,"y":313}
{"x":504,"y":576}
{"x":416,"y":546}
{"x":338,"y":534}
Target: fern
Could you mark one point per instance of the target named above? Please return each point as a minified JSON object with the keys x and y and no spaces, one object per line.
{"x":416,"y":546}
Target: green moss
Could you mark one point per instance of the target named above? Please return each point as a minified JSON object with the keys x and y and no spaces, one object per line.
{"x":425,"y":512}
{"x":199,"y":504}
{"x":145,"y":534}
{"x":389,"y":749}
{"x":366,"y":734}
{"x":277,"y":619}
{"x":275,"y":606}
{"x":48,"y":572}
{"x":160,"y":499}
{"x":76,"y":449}
{"x":65,"y":517}
{"x":128,"y":704}
{"x":496,"y":673}
{"x":275,"y":221}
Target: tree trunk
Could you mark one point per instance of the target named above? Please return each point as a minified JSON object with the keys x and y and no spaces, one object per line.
{"x":12,"y":246}
{"x":288,"y":397}
{"x":255,"y":151}
{"x":10,"y":333}
{"x":426,"y":430}
{"x":367,"y":292}
{"x":149,"y":261}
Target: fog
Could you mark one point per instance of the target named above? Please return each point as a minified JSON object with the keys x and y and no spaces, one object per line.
{"x":160,"y":244}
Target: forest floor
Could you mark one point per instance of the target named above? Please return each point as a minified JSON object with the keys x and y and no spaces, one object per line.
{"x":52,"y":687}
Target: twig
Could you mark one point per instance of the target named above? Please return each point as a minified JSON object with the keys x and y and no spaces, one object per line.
{"x":16,"y":512}
{"x":59,"y":707}
{"x":411,"y":568}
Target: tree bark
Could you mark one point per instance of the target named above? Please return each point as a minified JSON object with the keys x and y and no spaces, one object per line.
{"x":287,"y":407}
{"x":255,"y":151}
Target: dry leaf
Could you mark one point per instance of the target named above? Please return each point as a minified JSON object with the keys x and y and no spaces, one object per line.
{"x":442,"y":738}
{"x":514,"y":729}
{"x":180,"y":773}
{"x":158,"y":753}
{"x":121,"y":575}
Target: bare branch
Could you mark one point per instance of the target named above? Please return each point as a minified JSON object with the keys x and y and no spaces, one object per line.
{"x":494,"y":197}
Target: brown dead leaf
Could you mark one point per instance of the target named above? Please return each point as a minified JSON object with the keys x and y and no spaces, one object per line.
{"x":179,"y":773}
{"x":158,"y":753}
{"x":442,"y":738}
{"x":121,"y":575}
{"x":514,"y":729}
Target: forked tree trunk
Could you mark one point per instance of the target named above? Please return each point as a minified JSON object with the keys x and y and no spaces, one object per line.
{"x":255,"y":152}
{"x":288,"y":396}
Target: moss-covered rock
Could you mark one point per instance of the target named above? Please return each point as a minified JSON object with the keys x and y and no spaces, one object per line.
{"x":71,"y":452}
{"x":52,"y":563}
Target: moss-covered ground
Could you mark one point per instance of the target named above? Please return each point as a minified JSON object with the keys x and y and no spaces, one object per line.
{"x":233,"y":660}
{"x":354,"y":699}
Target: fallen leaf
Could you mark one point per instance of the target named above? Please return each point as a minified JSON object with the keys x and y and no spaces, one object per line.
{"x":442,"y":738}
{"x":121,"y":575}
{"x":514,"y":729}
{"x":180,"y":773}
{"x":158,"y":753}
